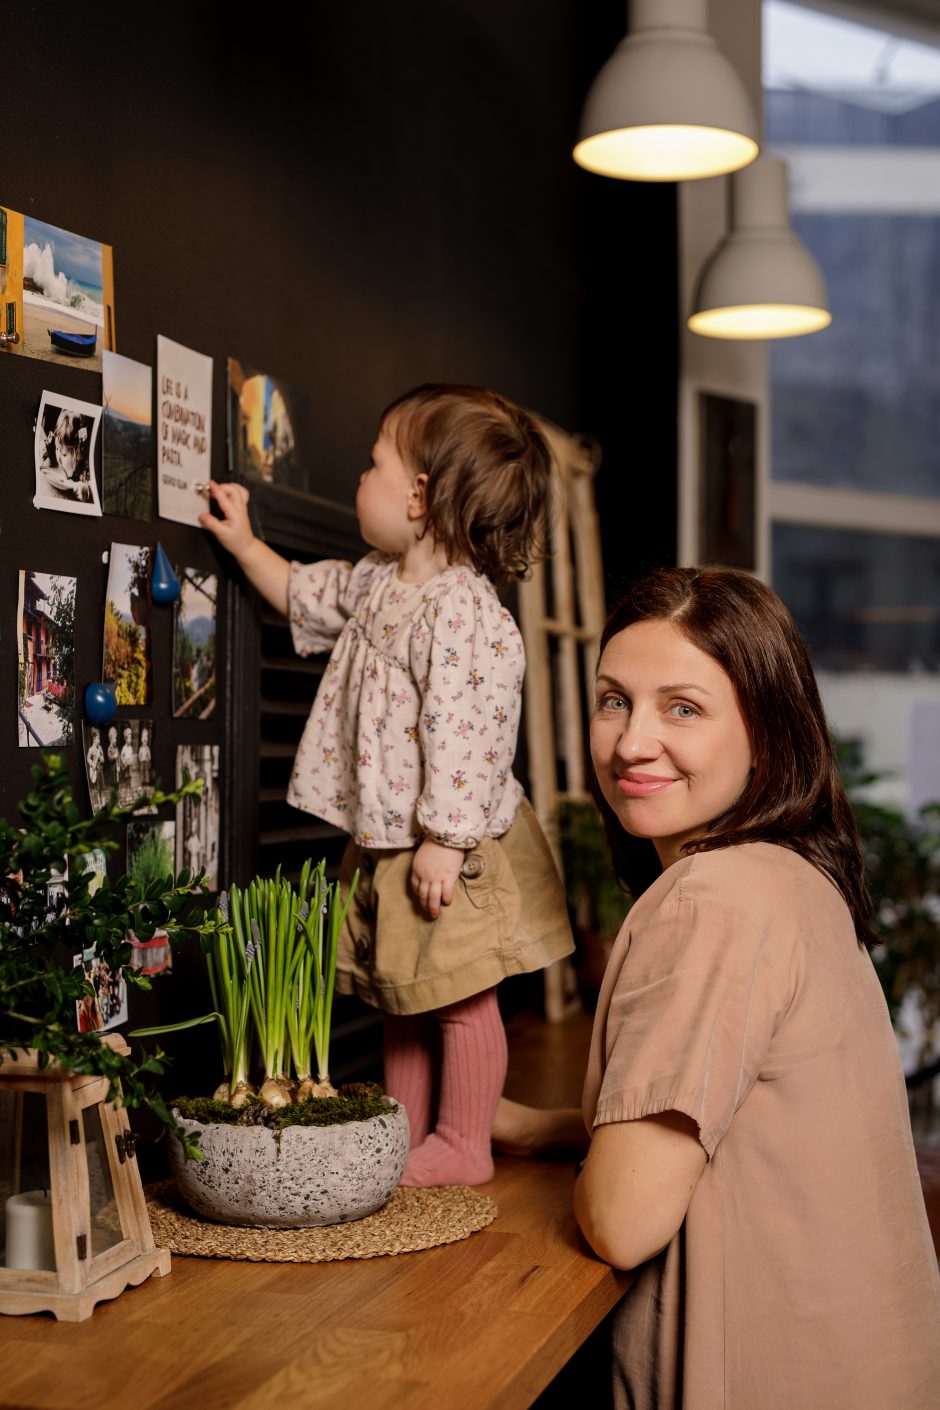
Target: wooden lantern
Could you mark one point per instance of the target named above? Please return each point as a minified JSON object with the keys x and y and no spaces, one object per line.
{"x":91,"y":1238}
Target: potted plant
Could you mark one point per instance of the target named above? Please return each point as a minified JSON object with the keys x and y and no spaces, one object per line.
{"x":293,"y":1151}
{"x":49,"y":909}
{"x":902,"y":864}
{"x":596,"y":898}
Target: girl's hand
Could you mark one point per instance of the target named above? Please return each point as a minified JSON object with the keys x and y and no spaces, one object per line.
{"x":434,"y":874}
{"x":234,"y":531}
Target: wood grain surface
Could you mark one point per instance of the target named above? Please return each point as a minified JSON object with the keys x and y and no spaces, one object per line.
{"x":483,"y":1323}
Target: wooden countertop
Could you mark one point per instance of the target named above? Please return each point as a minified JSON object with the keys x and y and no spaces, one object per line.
{"x":487,"y":1322}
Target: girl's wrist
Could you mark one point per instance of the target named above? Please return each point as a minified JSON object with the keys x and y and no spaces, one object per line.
{"x":247,"y":550}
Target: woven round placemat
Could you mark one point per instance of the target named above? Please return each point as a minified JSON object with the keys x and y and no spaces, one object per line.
{"x":411,"y":1220}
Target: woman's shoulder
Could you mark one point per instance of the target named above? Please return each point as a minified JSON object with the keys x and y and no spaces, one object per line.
{"x":760,"y":879}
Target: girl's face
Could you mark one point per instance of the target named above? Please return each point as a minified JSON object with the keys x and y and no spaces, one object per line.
{"x":390,"y":499}
{"x":127,"y":735}
{"x":112,"y":735}
{"x":144,"y":736}
{"x":668,"y":740}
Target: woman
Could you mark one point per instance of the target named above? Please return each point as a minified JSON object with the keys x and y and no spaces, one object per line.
{"x":751,"y":1153}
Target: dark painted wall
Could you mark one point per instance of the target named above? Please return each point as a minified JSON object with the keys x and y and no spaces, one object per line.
{"x":355,"y":199}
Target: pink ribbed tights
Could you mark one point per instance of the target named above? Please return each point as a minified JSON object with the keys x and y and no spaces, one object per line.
{"x":471,"y":1068}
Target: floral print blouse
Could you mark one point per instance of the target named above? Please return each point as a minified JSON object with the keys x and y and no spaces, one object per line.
{"x":413,"y":730}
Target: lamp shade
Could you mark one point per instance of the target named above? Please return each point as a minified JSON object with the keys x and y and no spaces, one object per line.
{"x":667,"y":105}
{"x":761,"y":281}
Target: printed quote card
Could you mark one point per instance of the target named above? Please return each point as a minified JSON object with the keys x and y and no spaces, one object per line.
{"x":184,"y":431}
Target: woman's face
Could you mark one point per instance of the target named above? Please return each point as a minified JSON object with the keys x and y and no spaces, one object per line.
{"x":668,"y":740}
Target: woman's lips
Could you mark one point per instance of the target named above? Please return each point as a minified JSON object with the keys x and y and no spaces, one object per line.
{"x":642,"y":785}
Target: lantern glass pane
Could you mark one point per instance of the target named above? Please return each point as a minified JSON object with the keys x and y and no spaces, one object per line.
{"x":25,"y":1205}
{"x":106,"y":1228}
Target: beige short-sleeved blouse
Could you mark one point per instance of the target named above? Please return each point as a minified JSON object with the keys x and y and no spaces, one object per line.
{"x":804,"y":1276}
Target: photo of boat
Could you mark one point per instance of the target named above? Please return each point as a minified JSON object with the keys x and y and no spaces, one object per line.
{"x":78,"y":344}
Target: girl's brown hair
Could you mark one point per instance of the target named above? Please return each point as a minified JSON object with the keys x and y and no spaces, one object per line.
{"x":794,"y":795}
{"x":488,"y":469}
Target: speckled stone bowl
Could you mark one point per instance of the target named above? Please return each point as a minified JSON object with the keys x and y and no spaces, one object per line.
{"x":302,"y":1176}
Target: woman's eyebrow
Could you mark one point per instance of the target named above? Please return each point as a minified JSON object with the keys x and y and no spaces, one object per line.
{"x":660,"y":690}
{"x":682,"y":685}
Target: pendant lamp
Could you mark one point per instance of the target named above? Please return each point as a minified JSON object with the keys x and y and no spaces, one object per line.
{"x":667,"y":105}
{"x":761,"y":281}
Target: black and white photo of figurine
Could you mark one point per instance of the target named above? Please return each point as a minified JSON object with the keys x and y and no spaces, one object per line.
{"x":66,"y":432}
{"x":119,"y":760}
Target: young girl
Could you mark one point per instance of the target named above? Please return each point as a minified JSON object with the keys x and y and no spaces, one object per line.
{"x":409,"y":748}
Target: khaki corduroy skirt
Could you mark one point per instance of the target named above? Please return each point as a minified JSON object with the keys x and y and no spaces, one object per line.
{"x":508,"y":916}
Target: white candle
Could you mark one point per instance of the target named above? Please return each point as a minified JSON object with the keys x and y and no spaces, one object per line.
{"x":29,"y":1230}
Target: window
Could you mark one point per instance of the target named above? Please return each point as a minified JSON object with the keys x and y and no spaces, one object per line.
{"x":854,"y":491}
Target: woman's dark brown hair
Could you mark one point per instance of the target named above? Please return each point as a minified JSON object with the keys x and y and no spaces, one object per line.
{"x":794,"y":795}
{"x":488,"y":469}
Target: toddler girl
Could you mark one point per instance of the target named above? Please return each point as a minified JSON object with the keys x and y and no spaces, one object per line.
{"x":409,"y":748}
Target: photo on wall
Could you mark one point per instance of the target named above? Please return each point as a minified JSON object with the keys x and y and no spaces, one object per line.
{"x":57,"y":894}
{"x":151,"y":848}
{"x":118,"y":763}
{"x":106,"y":1006}
{"x":46,"y":668}
{"x":64,"y":455}
{"x":194,"y":645}
{"x":184,"y":431}
{"x":152,"y":956}
{"x":261,"y":440}
{"x":728,"y":489}
{"x":127,"y":624}
{"x":197,"y":818}
{"x":127,"y":438}
{"x":96,"y":862}
{"x":57,"y":290}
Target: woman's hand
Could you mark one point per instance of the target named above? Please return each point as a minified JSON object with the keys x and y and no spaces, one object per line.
{"x":434,"y":873}
{"x":234,"y":530}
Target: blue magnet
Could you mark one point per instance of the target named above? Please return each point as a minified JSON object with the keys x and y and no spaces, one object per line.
{"x":100,"y":702}
{"x":164,"y":584}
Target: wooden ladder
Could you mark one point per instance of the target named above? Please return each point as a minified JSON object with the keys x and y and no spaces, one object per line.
{"x":561,"y":614}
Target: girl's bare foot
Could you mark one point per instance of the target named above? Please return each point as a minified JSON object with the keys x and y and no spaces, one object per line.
{"x":538,"y":1131}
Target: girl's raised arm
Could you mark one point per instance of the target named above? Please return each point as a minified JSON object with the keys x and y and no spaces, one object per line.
{"x":265,"y":570}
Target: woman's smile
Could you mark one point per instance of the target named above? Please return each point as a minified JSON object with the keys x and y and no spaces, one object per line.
{"x":641,"y":785}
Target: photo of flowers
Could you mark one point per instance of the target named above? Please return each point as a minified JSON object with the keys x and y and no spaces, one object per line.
{"x":127,"y":624}
{"x":194,"y":645}
{"x":127,"y":438}
{"x":261,"y":440}
{"x":58,"y":289}
{"x":151,"y":849}
{"x":66,"y":431}
{"x":46,"y":646}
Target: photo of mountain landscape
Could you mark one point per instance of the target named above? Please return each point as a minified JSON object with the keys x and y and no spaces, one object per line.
{"x":127,"y":444}
{"x":194,"y":645}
